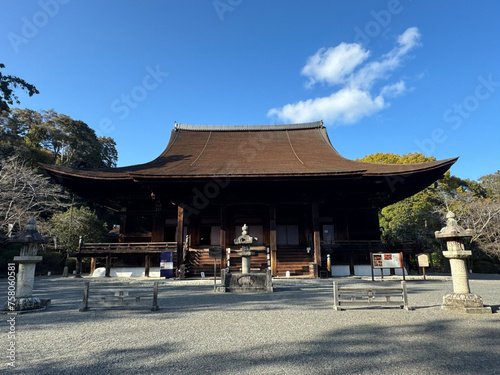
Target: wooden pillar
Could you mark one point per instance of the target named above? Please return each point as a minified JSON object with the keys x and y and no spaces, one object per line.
{"x":108,"y":265}
{"x":179,"y":238}
{"x":147,"y":263}
{"x":158,"y":230}
{"x":316,"y":236}
{"x":272,"y":239}
{"x":92,"y":265}
{"x":123,"y":224}
{"x":223,"y":233}
{"x":78,"y":272}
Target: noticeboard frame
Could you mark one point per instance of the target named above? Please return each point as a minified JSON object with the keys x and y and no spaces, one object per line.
{"x":386,"y":260}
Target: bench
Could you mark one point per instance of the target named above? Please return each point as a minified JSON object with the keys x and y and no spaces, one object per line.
{"x":372,"y":296}
{"x":117,"y":297}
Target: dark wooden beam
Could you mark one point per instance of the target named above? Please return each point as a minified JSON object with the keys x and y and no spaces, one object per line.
{"x":108,"y":265}
{"x":223,"y":232}
{"x":147,"y":263}
{"x":179,"y":238}
{"x":316,"y":235}
{"x":272,"y":239}
{"x":158,"y":230}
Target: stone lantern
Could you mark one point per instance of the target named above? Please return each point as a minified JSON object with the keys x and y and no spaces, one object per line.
{"x":461,"y":299}
{"x":29,"y":239}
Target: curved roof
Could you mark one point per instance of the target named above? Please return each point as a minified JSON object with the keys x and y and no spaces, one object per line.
{"x":199,"y":151}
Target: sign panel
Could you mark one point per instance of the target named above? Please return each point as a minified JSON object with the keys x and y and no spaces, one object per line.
{"x":215,"y":252}
{"x":167,"y":264}
{"x":423,"y":260}
{"x":382,"y":260}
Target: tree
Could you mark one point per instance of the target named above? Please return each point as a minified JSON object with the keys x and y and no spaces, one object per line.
{"x":411,"y":219}
{"x":24,"y":193}
{"x":491,"y":184}
{"x":389,"y":158}
{"x":49,"y":137}
{"x":480,"y":214}
{"x":7,"y":85}
{"x":75,"y":222}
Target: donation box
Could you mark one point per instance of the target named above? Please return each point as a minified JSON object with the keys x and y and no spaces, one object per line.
{"x":167,"y":264}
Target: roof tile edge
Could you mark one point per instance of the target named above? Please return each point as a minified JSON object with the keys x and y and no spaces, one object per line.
{"x":232,"y":128}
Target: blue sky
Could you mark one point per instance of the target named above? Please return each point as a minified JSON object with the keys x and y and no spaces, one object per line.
{"x":385,"y":76}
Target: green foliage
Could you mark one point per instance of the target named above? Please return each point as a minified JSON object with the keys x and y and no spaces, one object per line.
{"x":52,"y":138}
{"x":491,"y":184}
{"x":389,"y":158}
{"x":417,"y":218}
{"x":76,"y":222}
{"x":410,"y":219}
{"x":7,"y":253}
{"x":7,"y":85}
{"x":52,"y":261}
{"x":483,"y":266}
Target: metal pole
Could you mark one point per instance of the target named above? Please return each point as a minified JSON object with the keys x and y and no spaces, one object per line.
{"x":215,"y":274}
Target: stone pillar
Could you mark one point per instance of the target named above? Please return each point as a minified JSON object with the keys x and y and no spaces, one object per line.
{"x":461,"y":300}
{"x":27,"y":260}
{"x":245,"y":259}
{"x":26,"y":275}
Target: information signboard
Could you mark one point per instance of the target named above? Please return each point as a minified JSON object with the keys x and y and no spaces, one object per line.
{"x":386,"y":260}
{"x":215,"y":252}
{"x":383,"y":260}
{"x":423,"y":260}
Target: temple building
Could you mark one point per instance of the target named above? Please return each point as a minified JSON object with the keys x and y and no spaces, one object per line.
{"x":302,"y":200}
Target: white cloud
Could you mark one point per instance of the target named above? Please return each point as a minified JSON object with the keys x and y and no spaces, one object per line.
{"x":392,"y":91}
{"x":332,"y":65}
{"x":346,"y":105}
{"x":345,"y":66}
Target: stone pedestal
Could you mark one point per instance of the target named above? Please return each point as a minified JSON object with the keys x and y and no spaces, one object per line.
{"x":27,"y":260}
{"x":461,"y":300}
{"x":251,"y":282}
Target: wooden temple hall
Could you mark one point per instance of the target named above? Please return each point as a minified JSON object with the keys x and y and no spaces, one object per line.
{"x":303,"y":201}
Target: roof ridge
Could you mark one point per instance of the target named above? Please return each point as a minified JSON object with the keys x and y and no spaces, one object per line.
{"x":226,"y":128}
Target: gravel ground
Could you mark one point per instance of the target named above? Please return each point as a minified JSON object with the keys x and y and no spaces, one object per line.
{"x":292,"y":331}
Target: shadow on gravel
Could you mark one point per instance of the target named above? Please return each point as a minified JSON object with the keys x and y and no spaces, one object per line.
{"x":440,"y":347}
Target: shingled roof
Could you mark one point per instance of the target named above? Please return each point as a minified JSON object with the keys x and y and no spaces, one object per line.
{"x":198,"y":151}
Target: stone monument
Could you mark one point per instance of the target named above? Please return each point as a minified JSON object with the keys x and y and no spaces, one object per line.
{"x":247,"y":281}
{"x":27,"y":260}
{"x":245,"y":253}
{"x":461,"y":300}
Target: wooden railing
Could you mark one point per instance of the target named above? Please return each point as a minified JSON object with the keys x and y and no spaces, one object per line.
{"x":122,"y":248}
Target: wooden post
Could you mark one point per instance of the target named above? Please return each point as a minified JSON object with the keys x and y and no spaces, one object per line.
{"x":223,"y":233}
{"x":179,"y":238}
{"x":147,"y":263}
{"x":272,"y":239}
{"x":405,"y":295}
{"x":85,"y":305}
{"x":79,"y":259}
{"x":155,"y":297}
{"x":316,"y":236}
{"x":78,"y":266}
{"x":336,"y":304}
{"x":108,"y":265}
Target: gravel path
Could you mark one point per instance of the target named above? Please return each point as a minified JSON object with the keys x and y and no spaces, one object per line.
{"x":292,"y":331}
